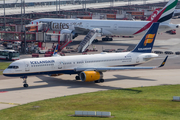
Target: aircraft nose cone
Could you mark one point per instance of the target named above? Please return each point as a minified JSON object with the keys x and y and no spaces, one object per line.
{"x":5,"y":72}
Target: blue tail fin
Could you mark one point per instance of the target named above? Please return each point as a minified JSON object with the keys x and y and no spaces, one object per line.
{"x":146,"y":43}
{"x":55,"y":50}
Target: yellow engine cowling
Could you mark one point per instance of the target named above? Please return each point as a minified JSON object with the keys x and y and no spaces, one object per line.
{"x":52,"y":75}
{"x":89,"y":76}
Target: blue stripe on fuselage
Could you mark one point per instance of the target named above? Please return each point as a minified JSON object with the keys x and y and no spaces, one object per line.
{"x":42,"y":73}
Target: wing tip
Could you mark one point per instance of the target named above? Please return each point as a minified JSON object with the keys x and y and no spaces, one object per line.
{"x":164,"y":61}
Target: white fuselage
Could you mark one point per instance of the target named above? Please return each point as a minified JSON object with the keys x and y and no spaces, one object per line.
{"x":108,"y":27}
{"x":67,"y":64}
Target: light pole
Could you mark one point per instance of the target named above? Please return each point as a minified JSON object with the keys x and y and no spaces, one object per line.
{"x":56,"y":8}
{"x":4,"y":18}
{"x":85,"y":6}
{"x":59,"y":6}
{"x":21,"y":18}
{"x":24,"y":10}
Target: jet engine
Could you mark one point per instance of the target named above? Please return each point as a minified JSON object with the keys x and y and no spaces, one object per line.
{"x":67,"y":31}
{"x":89,"y":76}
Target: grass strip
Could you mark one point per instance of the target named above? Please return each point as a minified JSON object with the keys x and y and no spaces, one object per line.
{"x":4,"y":65}
{"x":144,"y":103}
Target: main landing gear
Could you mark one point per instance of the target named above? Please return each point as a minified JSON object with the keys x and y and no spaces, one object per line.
{"x":77,"y":78}
{"x":99,"y":81}
{"x":107,"y":39}
{"x":25,"y":81}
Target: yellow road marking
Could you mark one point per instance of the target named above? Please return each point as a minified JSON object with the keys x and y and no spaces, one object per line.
{"x":10,"y":103}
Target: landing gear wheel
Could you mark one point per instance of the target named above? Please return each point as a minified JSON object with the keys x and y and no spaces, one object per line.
{"x":101,"y":80}
{"x":97,"y":81}
{"x":77,"y":78}
{"x":25,"y":81}
{"x":25,"y":85}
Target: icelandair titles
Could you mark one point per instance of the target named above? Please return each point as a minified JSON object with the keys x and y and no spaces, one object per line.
{"x":149,"y":48}
{"x":42,"y":62}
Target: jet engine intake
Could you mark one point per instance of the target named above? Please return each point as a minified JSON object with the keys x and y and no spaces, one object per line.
{"x":89,"y":76}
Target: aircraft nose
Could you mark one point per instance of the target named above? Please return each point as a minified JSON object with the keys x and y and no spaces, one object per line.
{"x":6,"y":71}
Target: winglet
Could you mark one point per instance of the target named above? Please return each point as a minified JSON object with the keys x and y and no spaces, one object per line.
{"x":163,"y":63}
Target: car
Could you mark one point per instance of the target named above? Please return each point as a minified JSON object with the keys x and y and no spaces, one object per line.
{"x":9,"y":46}
{"x":158,"y":52}
{"x":95,"y":40}
{"x":168,"y":52}
{"x":107,"y":39}
{"x":171,"y":31}
{"x":120,"y":50}
{"x":108,"y":50}
{"x":177,"y":53}
{"x":42,"y":51}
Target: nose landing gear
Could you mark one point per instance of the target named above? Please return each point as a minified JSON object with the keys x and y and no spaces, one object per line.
{"x":24,"y":81}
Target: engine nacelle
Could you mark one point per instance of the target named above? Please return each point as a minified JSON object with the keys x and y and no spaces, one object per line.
{"x":68,"y":31}
{"x":89,"y":76}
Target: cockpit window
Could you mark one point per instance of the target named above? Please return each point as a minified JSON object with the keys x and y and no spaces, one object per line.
{"x":13,"y":67}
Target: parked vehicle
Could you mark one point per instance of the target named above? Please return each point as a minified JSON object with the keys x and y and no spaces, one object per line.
{"x":120,"y":50}
{"x":109,"y":50}
{"x":171,"y":31}
{"x":9,"y":55}
{"x":168,"y":52}
{"x":9,"y":46}
{"x":158,"y":52}
{"x":177,"y":53}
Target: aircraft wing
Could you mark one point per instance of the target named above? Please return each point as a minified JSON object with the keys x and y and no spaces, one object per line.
{"x":103,"y":69}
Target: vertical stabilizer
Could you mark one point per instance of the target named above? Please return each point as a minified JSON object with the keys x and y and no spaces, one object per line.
{"x":163,"y":16}
{"x":146,"y":43}
{"x":154,"y":14}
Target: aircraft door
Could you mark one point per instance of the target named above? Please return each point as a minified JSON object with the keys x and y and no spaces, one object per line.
{"x":10,"y":55}
{"x":137,"y":60}
{"x":60,"y":65}
{"x":27,"y":66}
{"x":87,"y":25}
{"x":115,"y":26}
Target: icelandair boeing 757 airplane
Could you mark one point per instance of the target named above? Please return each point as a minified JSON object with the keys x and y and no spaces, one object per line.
{"x":87,"y":67}
{"x":113,"y":27}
